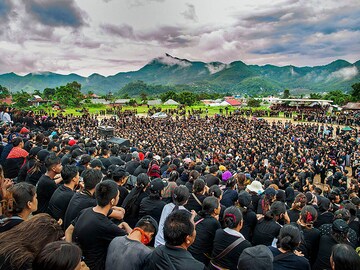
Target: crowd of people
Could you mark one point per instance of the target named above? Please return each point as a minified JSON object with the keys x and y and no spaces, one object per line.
{"x":224,"y":192}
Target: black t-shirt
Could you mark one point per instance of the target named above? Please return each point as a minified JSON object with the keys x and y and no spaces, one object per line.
{"x":310,"y":246}
{"x":44,"y":190}
{"x":131,"y":166}
{"x":211,"y":180}
{"x":59,"y":202}
{"x":205,"y":234}
{"x":325,"y":248}
{"x":222,"y":241}
{"x":152,"y":207}
{"x":9,"y":223}
{"x":250,"y":221}
{"x":123,"y":193}
{"x":229,"y":198}
{"x":265,"y":232}
{"x":93,"y":232}
{"x":324,"y":218}
{"x":78,"y":202}
{"x":132,"y":209}
{"x":291,"y":261}
{"x":192,"y":203}
{"x":294,"y":215}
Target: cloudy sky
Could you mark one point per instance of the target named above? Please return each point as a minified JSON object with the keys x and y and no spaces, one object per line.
{"x":109,"y":36}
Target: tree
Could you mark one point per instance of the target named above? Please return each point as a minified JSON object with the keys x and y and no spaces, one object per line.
{"x":37,"y":92}
{"x":168,"y":95}
{"x":355,"y":93}
{"x":254,"y":102}
{"x":315,"y":96}
{"x":49,"y":93}
{"x":69,"y":95}
{"x":187,"y":98}
{"x":21,"y":99}
{"x":4,"y":92}
{"x":338,"y":97}
{"x":132,"y":102}
{"x":143,"y":97}
{"x":286,"y":93}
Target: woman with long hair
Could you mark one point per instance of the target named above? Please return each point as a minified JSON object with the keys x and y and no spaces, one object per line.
{"x":169,"y":189}
{"x":298,"y":204}
{"x":197,"y":196}
{"x":20,"y":245}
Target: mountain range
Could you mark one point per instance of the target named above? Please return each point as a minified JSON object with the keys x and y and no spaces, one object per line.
{"x":236,"y":78}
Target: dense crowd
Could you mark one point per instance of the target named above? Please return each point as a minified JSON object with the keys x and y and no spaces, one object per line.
{"x":223,"y":192}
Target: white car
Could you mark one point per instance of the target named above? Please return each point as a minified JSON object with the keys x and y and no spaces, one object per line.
{"x":159,"y":115}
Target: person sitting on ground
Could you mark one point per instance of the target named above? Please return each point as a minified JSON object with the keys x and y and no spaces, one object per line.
{"x":15,"y":159}
{"x":256,"y":258}
{"x":24,"y":202}
{"x":207,"y":224}
{"x":249,"y":216}
{"x":298,"y":204}
{"x":197,"y":196}
{"x":285,"y":256}
{"x":344,"y":257}
{"x":130,"y":252}
{"x":92,"y":230}
{"x":20,"y":245}
{"x":120,"y":176}
{"x":59,"y":255}
{"x":222,"y":255}
{"x":179,"y":233}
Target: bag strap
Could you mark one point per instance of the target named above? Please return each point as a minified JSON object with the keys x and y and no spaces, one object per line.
{"x":196,"y":199}
{"x":197,"y":222}
{"x":282,"y":256}
{"x":228,"y":249}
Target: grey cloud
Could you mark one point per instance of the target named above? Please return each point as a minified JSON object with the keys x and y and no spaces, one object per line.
{"x":124,"y":30}
{"x":63,"y":13}
{"x":136,"y":3}
{"x":190,"y":13}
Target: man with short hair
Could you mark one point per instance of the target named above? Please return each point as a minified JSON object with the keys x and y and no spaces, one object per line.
{"x":93,"y":231}
{"x":130,"y":252}
{"x":211,"y":178}
{"x":60,"y":199}
{"x":47,"y":183}
{"x":179,"y":234}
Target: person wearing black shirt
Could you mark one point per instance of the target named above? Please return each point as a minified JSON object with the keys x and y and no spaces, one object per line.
{"x":93,"y":231}
{"x":47,"y":183}
{"x":131,"y":166}
{"x":267,"y":229}
{"x":83,"y":199}
{"x":60,"y":199}
{"x":249,"y":216}
{"x":197,"y":196}
{"x":120,"y":176}
{"x":179,"y":234}
{"x":206,"y":226}
{"x":211,"y":178}
{"x":225,"y":237}
{"x":153,"y":205}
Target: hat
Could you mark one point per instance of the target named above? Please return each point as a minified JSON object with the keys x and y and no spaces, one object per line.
{"x":72,"y":142}
{"x":244,"y":199}
{"x":135,"y":154}
{"x":270,"y":191}
{"x":157,"y":184}
{"x":24,"y":130}
{"x":226,"y":175}
{"x":222,"y":168}
{"x":187,"y":160}
{"x":141,"y":156}
{"x":97,"y":163}
{"x":340,"y":226}
{"x":258,"y":257}
{"x":255,"y":186}
{"x":157,"y":157}
{"x":85,"y":159}
{"x":154,"y":171}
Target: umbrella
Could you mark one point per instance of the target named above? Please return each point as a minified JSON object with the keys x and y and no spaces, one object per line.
{"x":347,"y":128}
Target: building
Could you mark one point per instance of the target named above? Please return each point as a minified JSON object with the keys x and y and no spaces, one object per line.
{"x":353,"y":106}
{"x":171,"y":102}
{"x":154,"y":102}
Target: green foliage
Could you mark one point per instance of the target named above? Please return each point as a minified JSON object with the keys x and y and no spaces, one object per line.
{"x":4,"y":92}
{"x":338,"y":97}
{"x":286,"y":93}
{"x":69,"y":95}
{"x":132,"y":102}
{"x":187,"y":98}
{"x":143,"y":97}
{"x":49,"y":93}
{"x":254,"y":102}
{"x":21,"y":99}
{"x":355,"y":93}
{"x":315,"y":96}
{"x":168,"y":95}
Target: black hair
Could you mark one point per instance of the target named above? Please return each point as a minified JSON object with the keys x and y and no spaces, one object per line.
{"x":142,"y":182}
{"x":148,"y":224}
{"x":276,"y":209}
{"x":51,"y":160}
{"x":91,"y":178}
{"x":181,"y":195}
{"x":199,"y":185}
{"x":213,"y":169}
{"x":57,"y":255}
{"x":16,"y":141}
{"x":68,"y":172}
{"x":177,"y":227}
{"x":308,"y":215}
{"x":21,"y":193}
{"x":231,"y":182}
{"x":105,"y":191}
{"x":289,"y":238}
{"x":345,"y":257}
{"x":232,"y":217}
{"x":174,"y":175}
{"x":208,"y":206}
{"x":214,"y":190}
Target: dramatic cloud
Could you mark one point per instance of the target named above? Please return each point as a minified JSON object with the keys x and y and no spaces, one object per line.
{"x":55,"y":13}
{"x":345,"y":73}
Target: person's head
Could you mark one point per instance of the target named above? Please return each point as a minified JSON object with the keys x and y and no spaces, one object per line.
{"x":289,"y":238}
{"x":199,"y":186}
{"x":300,"y":201}
{"x":70,"y":173}
{"x":179,"y":229}
{"x":339,"y":231}
{"x":277,"y":211}
{"x":20,"y":246}
{"x":23,"y":197}
{"x":214,"y":169}
{"x":18,"y":142}
{"x":142,"y":181}
{"x":308,"y":216}
{"x":344,"y":257}
{"x":91,"y":178}
{"x":120,"y":176}
{"x":233,"y":218}
{"x":181,"y":195}
{"x":210,"y":206}
{"x":97,"y":164}
{"x":174,"y":175}
{"x":343,"y":214}
{"x":106,"y":192}
{"x":258,"y":257}
{"x":215,"y":191}
{"x":244,"y":199}
{"x":58,"y":255}
{"x":53,"y":163}
{"x":148,"y":227}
